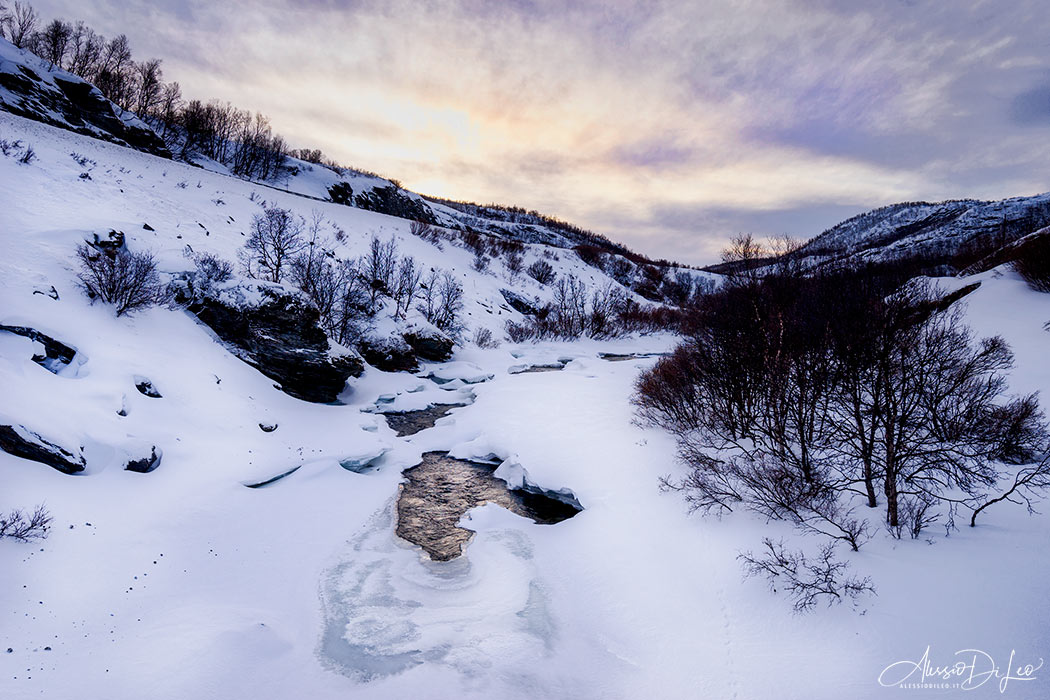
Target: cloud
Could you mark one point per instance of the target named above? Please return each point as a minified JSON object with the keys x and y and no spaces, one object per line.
{"x":668,"y":125}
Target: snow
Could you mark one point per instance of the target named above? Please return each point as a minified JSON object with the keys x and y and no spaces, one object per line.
{"x":185,"y":583}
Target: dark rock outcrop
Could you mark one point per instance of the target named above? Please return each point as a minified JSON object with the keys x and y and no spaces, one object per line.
{"x":146,"y":388}
{"x":56,"y":355}
{"x":430,"y":344}
{"x":147,"y":463}
{"x":111,"y":244}
{"x":31,"y":88}
{"x":24,"y":443}
{"x":519,"y":303}
{"x":391,"y":354}
{"x":275,"y":330}
{"x":394,"y":201}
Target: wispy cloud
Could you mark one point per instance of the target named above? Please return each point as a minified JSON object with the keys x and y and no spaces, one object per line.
{"x":667,"y":125}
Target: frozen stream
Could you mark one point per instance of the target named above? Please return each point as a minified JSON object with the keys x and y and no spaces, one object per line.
{"x":441,"y":490}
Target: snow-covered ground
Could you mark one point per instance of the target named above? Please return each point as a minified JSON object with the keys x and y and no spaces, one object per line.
{"x":184,"y":583}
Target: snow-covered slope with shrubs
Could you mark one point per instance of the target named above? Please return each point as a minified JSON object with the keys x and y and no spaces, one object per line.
{"x":952,"y":234}
{"x":195,"y":579}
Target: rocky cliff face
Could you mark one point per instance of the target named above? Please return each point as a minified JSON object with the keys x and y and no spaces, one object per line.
{"x":275,"y":330}
{"x":31,"y":88}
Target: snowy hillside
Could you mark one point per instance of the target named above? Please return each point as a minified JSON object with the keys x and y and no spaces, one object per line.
{"x":32,"y":88}
{"x":935,"y":233}
{"x":213,"y":575}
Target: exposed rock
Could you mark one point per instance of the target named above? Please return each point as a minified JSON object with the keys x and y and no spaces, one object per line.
{"x":145,"y":464}
{"x":22,"y":442}
{"x":32,"y":88}
{"x":430,"y":344}
{"x":267,"y":427}
{"x":519,"y":303}
{"x":275,"y":330}
{"x":147,"y":227}
{"x":388,"y":354}
{"x":112,"y":243}
{"x":396,"y":202}
{"x":49,"y":292}
{"x":146,"y":388}
{"x":405,"y":423}
{"x":56,"y":355}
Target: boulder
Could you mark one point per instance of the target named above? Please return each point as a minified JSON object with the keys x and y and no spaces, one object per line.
{"x":22,"y":442}
{"x":274,"y":329}
{"x":146,"y":463}
{"x":430,"y":344}
{"x":146,"y":388}
{"x":389,"y":354}
{"x":56,"y":355}
{"x":519,"y":303}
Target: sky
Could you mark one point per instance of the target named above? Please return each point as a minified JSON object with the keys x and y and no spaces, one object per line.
{"x":668,"y":126}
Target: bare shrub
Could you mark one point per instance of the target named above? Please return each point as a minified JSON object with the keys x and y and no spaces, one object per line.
{"x":338,"y":291}
{"x":1032,"y":261}
{"x":212,"y":268}
{"x":18,"y":525}
{"x":573,"y":312}
{"x":428,"y":233}
{"x":474,"y":241}
{"x":127,"y":280}
{"x":621,"y":270}
{"x":484,"y":339}
{"x":28,"y":156}
{"x":542,"y":272}
{"x":806,"y":581}
{"x":515,"y":262}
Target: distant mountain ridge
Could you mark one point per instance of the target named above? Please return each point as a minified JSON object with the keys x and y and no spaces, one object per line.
{"x":949,"y":236}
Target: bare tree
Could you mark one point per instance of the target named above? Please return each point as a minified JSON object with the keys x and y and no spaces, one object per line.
{"x":744,"y":254}
{"x":441,"y":301}
{"x":22,"y":24}
{"x":274,"y":240}
{"x":52,"y":43}
{"x":378,"y":267}
{"x":406,"y":285}
{"x":115,"y":75}
{"x":150,"y":88}
{"x":793,"y":395}
{"x":85,"y":50}
{"x":515,"y":262}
